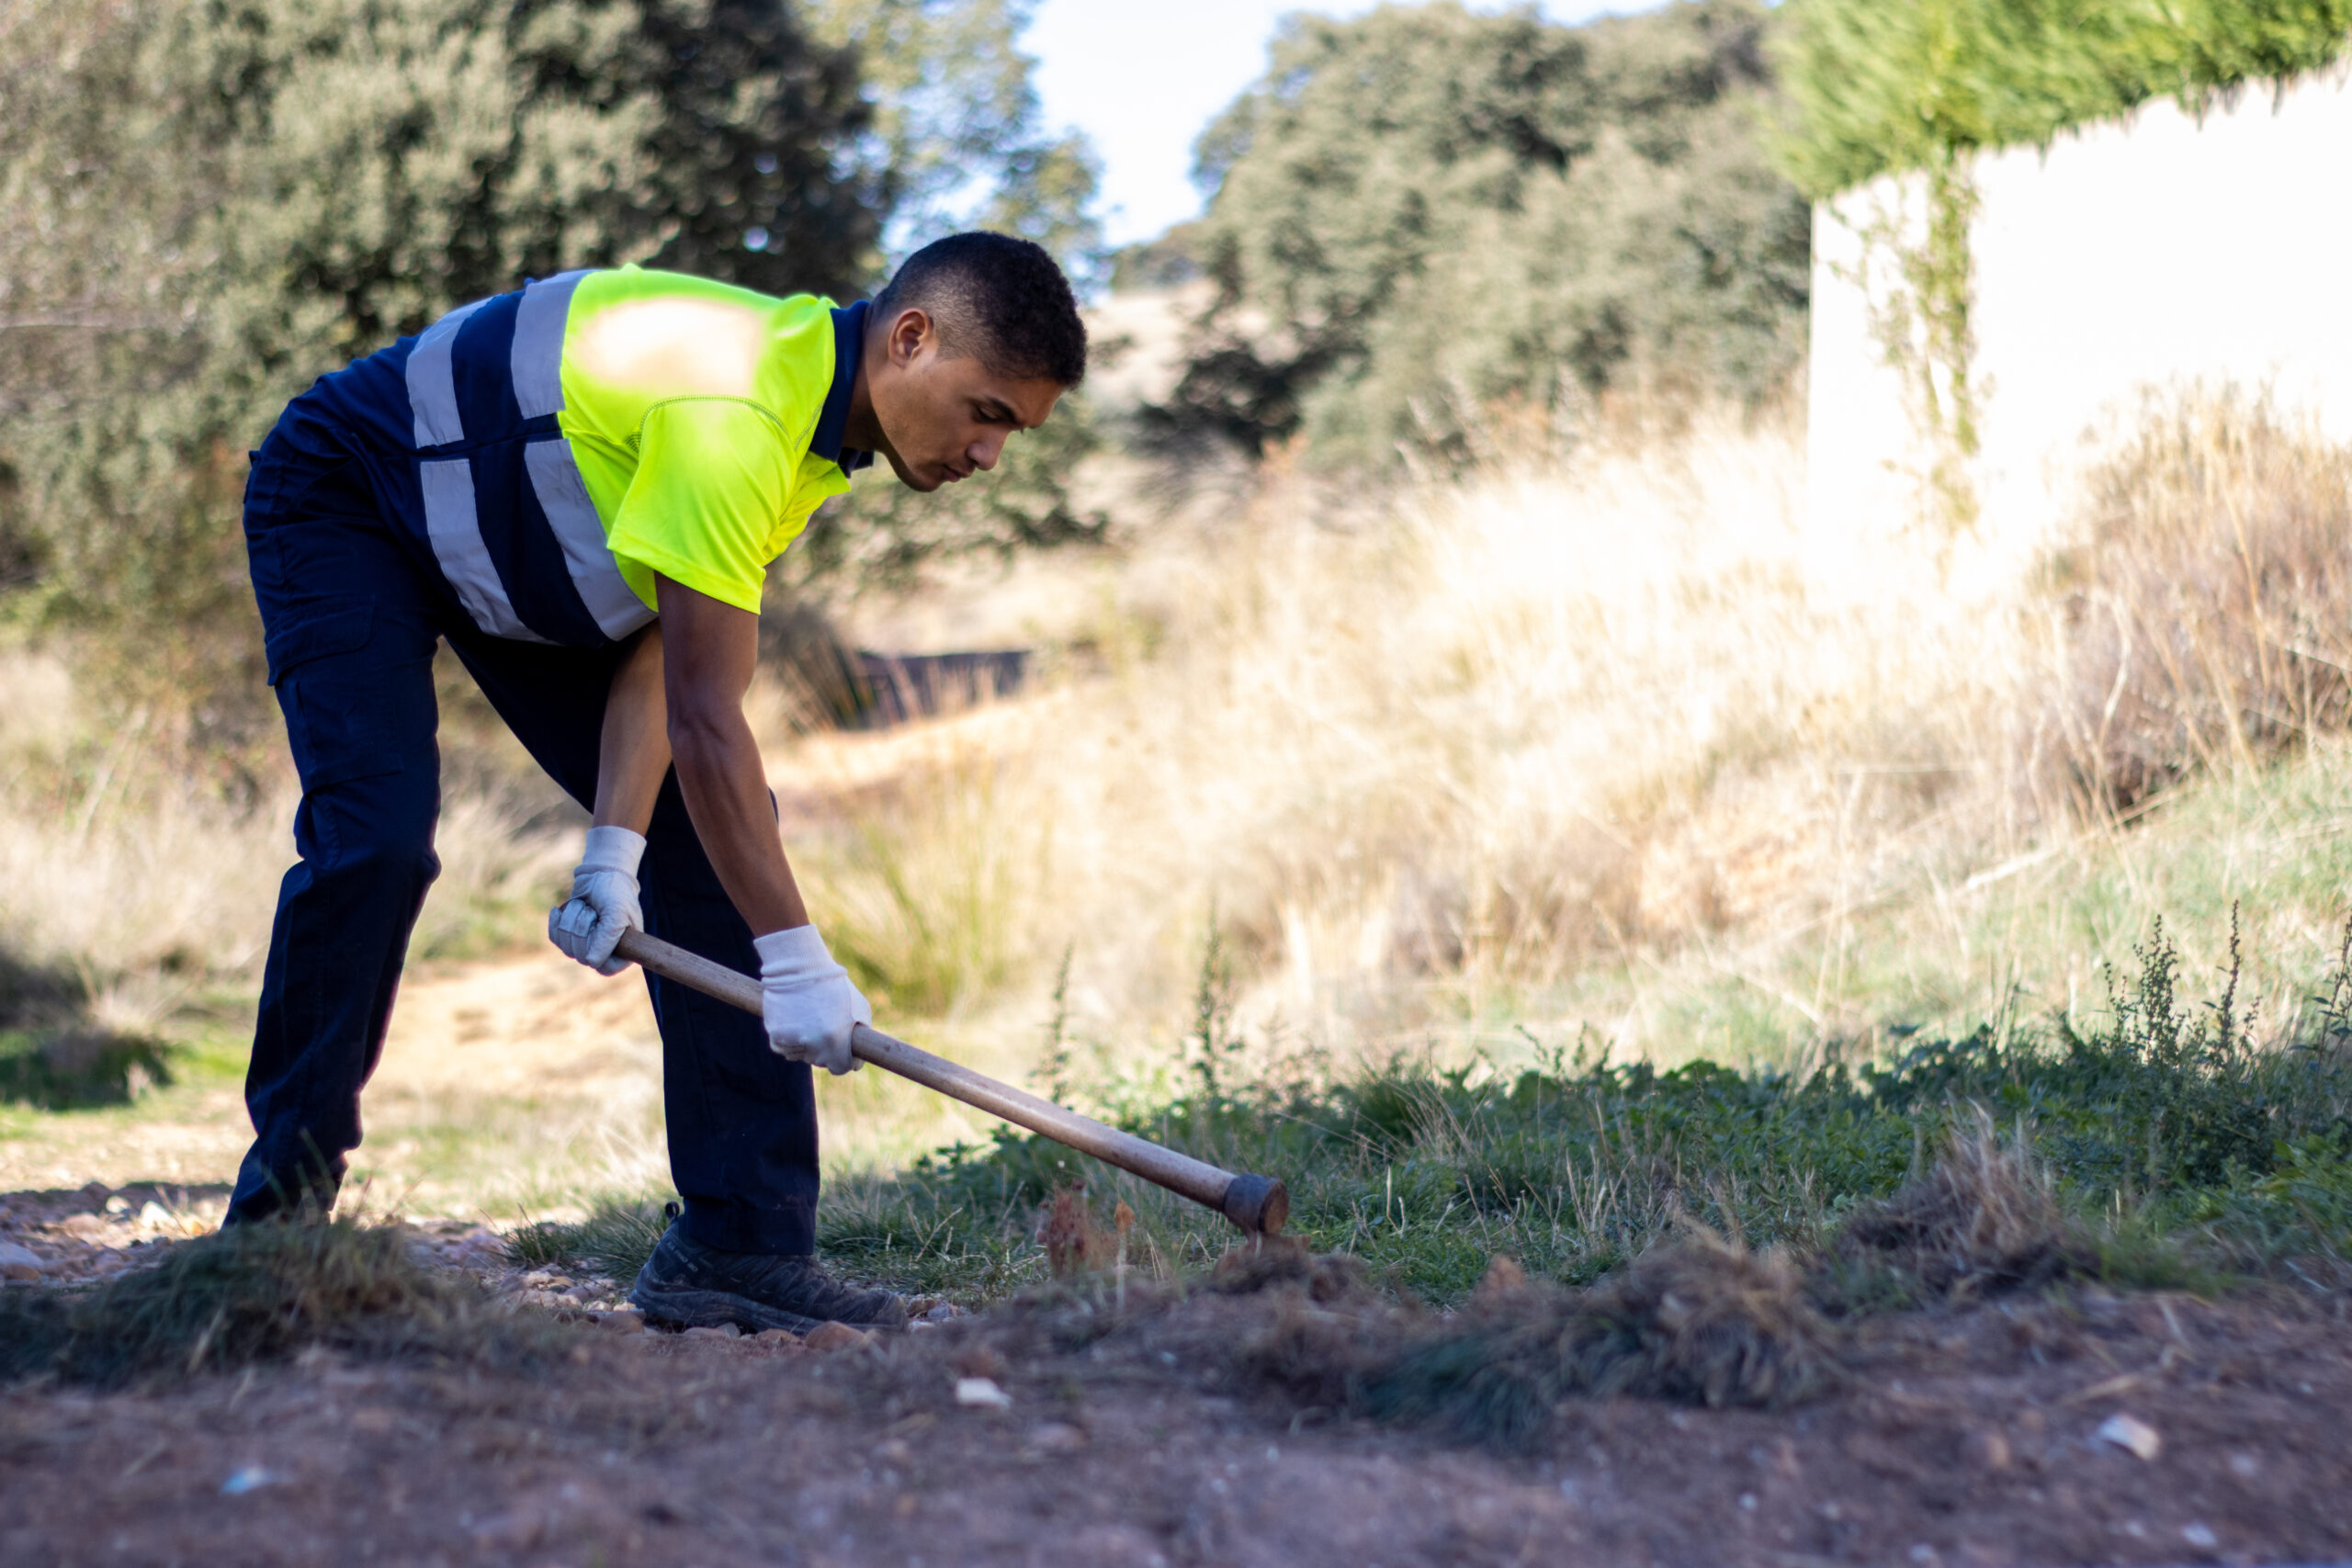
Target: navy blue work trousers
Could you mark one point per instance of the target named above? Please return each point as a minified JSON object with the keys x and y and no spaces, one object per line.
{"x":352,"y":606}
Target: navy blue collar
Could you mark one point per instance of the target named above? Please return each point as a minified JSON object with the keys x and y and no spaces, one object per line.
{"x":832,"y":421}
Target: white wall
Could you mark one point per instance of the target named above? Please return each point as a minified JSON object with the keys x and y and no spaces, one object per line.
{"x":2150,"y":251}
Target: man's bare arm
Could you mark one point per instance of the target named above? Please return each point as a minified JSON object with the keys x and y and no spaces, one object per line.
{"x":634,"y":752}
{"x":709,"y":650}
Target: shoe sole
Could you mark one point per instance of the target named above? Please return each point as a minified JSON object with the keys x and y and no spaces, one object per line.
{"x":678,"y":1307}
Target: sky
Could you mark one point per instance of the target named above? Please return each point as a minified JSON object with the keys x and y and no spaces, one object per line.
{"x":1144,"y":77}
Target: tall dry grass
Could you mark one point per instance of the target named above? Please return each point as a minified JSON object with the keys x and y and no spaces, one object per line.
{"x":1613,"y":736}
{"x":146,"y":872}
{"x":1441,"y":757}
{"x":1466,"y":735}
{"x":2196,"y":621}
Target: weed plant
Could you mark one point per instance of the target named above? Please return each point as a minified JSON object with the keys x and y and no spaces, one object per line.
{"x":2158,"y":1145}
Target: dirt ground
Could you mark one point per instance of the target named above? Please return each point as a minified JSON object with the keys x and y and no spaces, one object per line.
{"x":1966,"y":1439}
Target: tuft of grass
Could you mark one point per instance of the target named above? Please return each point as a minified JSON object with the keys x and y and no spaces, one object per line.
{"x":73,"y":1069}
{"x":1985,"y":1218}
{"x":617,"y":1236}
{"x":2198,"y":628}
{"x":1699,"y":1321}
{"x":257,"y":1293}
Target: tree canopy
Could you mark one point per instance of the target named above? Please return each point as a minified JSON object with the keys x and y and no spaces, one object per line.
{"x":1425,"y":209}
{"x":207,"y":203}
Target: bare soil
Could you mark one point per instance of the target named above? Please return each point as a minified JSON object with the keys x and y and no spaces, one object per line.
{"x":1965,"y":1438}
{"x":1149,"y":1438}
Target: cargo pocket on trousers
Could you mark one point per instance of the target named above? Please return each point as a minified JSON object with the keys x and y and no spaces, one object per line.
{"x":332,"y":701}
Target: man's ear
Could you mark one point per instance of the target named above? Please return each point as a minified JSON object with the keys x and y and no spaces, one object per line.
{"x":910,"y":329}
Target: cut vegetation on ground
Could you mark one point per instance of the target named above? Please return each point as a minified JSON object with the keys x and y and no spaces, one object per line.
{"x":2162,"y":1146}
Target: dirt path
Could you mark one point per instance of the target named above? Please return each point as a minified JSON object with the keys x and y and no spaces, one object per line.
{"x":512,"y":1086}
{"x":517,"y":1040}
{"x":1971,"y":1439}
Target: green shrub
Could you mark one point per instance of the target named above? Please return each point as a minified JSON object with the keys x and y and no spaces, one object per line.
{"x":1879,"y":85}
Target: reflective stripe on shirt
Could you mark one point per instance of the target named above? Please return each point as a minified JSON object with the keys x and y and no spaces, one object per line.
{"x":432,"y":381}
{"x":563,"y":496}
{"x":538,"y":355}
{"x":453,"y":524}
{"x":450,"y":371}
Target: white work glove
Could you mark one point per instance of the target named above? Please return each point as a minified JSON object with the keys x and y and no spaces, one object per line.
{"x":604,"y":900}
{"x":806,"y":1000}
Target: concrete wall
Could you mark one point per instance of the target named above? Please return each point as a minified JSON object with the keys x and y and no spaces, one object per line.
{"x":2156,"y":250}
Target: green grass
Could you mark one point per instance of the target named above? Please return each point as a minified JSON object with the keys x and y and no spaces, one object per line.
{"x":616,"y":1237}
{"x":2174,"y":1145}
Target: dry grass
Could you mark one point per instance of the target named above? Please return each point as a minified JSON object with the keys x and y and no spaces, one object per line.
{"x":257,"y":1293}
{"x":2197,"y":623}
{"x":1606,"y":740}
{"x":147,"y":869}
{"x":1478,"y":736}
{"x":1698,"y":1320}
{"x":1985,"y":1218}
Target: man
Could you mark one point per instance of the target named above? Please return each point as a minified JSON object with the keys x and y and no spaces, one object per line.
{"x":581,"y":485}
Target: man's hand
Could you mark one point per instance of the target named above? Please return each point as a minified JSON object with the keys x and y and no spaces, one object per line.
{"x":604,"y":900}
{"x":808,"y":1001}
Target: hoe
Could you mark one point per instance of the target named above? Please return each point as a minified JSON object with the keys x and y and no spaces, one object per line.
{"x":1259,"y":1204}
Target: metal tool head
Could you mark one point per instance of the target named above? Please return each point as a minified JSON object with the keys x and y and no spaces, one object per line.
{"x":1259,"y":1204}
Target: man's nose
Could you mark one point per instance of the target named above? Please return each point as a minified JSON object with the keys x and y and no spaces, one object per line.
{"x":985,"y":451}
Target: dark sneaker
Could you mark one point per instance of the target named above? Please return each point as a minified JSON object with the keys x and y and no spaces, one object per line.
{"x":695,"y":1286}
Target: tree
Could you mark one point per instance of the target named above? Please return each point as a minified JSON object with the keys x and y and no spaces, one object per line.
{"x":206,"y":203}
{"x":957,"y":125}
{"x":755,"y":166}
{"x":1425,"y":209}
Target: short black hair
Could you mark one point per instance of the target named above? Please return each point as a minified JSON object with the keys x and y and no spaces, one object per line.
{"x":998,"y":298}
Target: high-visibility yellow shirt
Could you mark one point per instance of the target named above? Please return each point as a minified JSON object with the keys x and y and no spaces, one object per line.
{"x":691,"y":407}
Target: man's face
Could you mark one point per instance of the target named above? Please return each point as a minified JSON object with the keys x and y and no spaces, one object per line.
{"x":944,"y":416}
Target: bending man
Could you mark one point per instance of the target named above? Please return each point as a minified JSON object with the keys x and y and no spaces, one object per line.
{"x":581,"y":485}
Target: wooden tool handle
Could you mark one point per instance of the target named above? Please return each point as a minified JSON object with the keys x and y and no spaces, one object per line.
{"x":1259,"y":1204}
